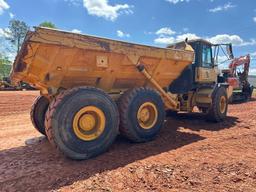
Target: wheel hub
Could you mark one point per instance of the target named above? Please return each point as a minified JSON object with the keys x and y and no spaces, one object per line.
{"x":144,"y":115}
{"x":89,"y":123}
{"x":147,"y":115}
{"x":223,"y":104}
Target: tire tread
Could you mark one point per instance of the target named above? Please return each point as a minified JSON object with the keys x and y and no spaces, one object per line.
{"x":55,"y":103}
{"x":123,"y":105}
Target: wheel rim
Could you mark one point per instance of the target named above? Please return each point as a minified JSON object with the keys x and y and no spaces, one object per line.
{"x":89,"y":123}
{"x":223,"y":104}
{"x":147,"y":115}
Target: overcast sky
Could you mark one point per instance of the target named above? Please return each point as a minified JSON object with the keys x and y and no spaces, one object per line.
{"x":152,"y":22}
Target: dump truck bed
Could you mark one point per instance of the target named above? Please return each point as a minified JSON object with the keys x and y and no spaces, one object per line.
{"x":53,"y":59}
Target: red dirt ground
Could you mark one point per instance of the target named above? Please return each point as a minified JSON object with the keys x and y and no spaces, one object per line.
{"x":189,"y":154}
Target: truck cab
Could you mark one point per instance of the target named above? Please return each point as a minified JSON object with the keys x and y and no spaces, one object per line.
{"x":201,"y":84}
{"x":203,"y":71}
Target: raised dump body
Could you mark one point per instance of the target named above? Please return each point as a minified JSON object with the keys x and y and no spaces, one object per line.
{"x":52,"y":59}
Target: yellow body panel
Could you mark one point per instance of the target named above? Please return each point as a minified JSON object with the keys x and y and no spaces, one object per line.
{"x":206,"y":75}
{"x":53,"y":59}
{"x":204,"y":96}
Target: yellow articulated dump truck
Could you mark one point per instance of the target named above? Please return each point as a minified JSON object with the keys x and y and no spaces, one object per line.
{"x":94,"y":88}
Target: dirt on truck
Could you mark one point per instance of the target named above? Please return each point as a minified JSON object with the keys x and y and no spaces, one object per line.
{"x":93,"y":88}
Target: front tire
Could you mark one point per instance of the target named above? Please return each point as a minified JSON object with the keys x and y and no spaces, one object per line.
{"x":142,"y":114}
{"x":218,"y":110}
{"x":82,"y":122}
{"x":37,"y":113}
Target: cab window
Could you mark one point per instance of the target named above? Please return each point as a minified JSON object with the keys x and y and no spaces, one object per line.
{"x":207,"y":57}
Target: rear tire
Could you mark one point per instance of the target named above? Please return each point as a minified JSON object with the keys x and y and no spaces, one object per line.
{"x":218,"y":110}
{"x":82,"y":122}
{"x":142,"y":114}
{"x":249,"y":92}
{"x":37,"y":113}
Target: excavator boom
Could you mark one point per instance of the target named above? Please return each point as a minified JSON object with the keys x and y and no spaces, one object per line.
{"x":239,"y":79}
{"x":243,"y":60}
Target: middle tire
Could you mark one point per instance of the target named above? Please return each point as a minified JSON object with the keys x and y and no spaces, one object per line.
{"x":142,"y":114}
{"x":82,"y":122}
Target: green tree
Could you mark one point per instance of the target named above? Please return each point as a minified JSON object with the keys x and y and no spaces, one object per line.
{"x":5,"y":66}
{"x":16,"y":32}
{"x":48,"y":24}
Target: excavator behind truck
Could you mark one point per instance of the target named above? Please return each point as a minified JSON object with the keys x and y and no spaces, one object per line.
{"x":94,"y":88}
{"x":237,"y":77}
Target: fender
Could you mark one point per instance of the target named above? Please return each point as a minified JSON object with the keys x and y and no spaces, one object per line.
{"x":229,"y":89}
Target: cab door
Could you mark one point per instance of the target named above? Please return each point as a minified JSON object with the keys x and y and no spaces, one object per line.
{"x":206,"y":72}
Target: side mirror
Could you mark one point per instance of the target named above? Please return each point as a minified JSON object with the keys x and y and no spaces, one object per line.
{"x":230,"y":51}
